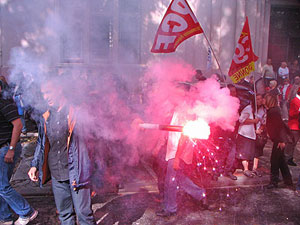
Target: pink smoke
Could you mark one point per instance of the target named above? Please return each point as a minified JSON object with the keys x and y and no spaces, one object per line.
{"x":205,"y":100}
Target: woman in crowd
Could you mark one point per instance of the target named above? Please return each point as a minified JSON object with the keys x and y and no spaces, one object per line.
{"x":279,"y":134}
{"x":245,"y":143}
{"x":261,"y":133}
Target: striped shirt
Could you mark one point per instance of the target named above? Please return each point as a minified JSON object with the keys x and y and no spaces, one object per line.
{"x":8,"y":113}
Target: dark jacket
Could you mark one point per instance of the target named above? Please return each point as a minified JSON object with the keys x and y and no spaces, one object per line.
{"x":278,"y":131}
{"x":80,"y":165}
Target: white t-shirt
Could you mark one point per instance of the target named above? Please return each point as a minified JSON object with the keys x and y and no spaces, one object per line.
{"x":268,"y":71}
{"x":173,"y":142}
{"x":283,"y":72}
{"x":247,"y":130}
{"x":173,"y":139}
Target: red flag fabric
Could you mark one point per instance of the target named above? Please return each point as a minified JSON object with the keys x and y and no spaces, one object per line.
{"x":244,"y":58}
{"x":178,"y":24}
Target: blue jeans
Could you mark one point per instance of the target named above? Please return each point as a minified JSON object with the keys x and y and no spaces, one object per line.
{"x":178,"y":179}
{"x":9,"y":198}
{"x":229,"y":165}
{"x":66,"y":199}
{"x":298,"y":184}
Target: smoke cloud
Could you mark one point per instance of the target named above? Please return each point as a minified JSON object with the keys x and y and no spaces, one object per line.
{"x":110,"y":101}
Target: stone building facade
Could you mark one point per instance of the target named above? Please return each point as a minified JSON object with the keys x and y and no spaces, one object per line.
{"x":119,"y":33}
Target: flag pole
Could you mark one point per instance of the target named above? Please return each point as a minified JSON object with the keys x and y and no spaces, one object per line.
{"x":255,"y":93}
{"x":222,"y":74}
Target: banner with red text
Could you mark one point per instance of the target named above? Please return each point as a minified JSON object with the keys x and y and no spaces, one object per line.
{"x":178,"y":24}
{"x":244,"y":58}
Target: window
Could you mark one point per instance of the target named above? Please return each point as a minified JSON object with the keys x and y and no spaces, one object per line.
{"x":72,"y":30}
{"x":101,"y":29}
{"x":129,"y":46}
{"x":106,"y":31}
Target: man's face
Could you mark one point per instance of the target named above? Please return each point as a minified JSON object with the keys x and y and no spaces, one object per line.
{"x":283,"y":65}
{"x":259,"y":100}
{"x":269,"y":61}
{"x":50,"y":93}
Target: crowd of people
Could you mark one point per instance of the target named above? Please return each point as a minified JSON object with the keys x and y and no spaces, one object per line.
{"x":62,"y":156}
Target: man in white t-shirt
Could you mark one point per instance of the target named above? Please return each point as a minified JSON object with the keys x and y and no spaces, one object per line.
{"x":175,"y":178}
{"x":283,"y":72}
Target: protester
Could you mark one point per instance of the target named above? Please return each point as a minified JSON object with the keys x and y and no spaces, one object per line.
{"x":198,"y":76}
{"x":273,"y":89}
{"x":10,"y":151}
{"x":261,"y":133}
{"x":246,"y":138}
{"x":293,"y":124}
{"x":294,"y":89}
{"x":20,"y":105}
{"x":294,"y":69}
{"x":231,"y":136}
{"x":268,"y":73}
{"x":279,"y":133}
{"x":283,"y":72}
{"x":285,"y":90}
{"x":297,"y":192}
{"x":62,"y":155}
{"x":174,"y":176}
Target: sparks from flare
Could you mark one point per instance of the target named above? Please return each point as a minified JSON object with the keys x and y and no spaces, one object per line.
{"x":198,"y":129}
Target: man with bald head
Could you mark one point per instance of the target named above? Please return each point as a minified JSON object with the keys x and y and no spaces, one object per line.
{"x":62,"y":156}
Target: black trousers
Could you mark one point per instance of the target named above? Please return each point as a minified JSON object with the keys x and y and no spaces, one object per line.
{"x":278,"y":163}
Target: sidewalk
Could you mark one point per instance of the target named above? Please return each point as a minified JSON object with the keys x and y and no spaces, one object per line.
{"x":244,"y":201}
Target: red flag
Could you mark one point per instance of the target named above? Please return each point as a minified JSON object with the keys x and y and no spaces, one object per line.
{"x":243,"y":59}
{"x":178,"y":24}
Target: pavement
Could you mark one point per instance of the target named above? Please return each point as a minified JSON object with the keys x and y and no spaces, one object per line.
{"x":243,"y":201}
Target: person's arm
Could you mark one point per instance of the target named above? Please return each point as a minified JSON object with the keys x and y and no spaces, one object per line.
{"x":263,"y":71}
{"x":17,"y":128}
{"x":251,"y":121}
{"x":33,"y":172}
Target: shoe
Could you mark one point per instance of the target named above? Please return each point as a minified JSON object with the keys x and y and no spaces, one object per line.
{"x":26,"y":220}
{"x":231,"y":176}
{"x":164,"y":213}
{"x":248,"y":173}
{"x":256,"y":173}
{"x":290,"y":162}
{"x":271,"y":186}
{"x":10,"y":222}
{"x":297,"y":193}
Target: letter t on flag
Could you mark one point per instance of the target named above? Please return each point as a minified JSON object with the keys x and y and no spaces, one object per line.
{"x":244,"y":58}
{"x":178,"y":24}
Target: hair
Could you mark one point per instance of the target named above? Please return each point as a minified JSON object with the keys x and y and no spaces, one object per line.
{"x":271,"y":101}
{"x":297,"y":80}
{"x":273,"y":83}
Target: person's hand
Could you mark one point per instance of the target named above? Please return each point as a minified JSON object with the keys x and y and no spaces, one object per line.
{"x":256,"y":120}
{"x":259,"y":131}
{"x":32,"y":173}
{"x":176,"y":164}
{"x":136,"y":124}
{"x":281,"y":145}
{"x":9,"y":156}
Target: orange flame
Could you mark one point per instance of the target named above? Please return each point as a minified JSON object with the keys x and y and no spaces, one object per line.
{"x":198,"y":129}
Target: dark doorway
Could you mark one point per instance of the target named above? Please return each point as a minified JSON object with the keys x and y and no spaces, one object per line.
{"x":284,"y":38}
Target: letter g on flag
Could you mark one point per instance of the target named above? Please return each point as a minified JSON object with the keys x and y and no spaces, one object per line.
{"x":179,"y":23}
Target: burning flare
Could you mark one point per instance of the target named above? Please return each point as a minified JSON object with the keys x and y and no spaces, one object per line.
{"x":197,"y":129}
